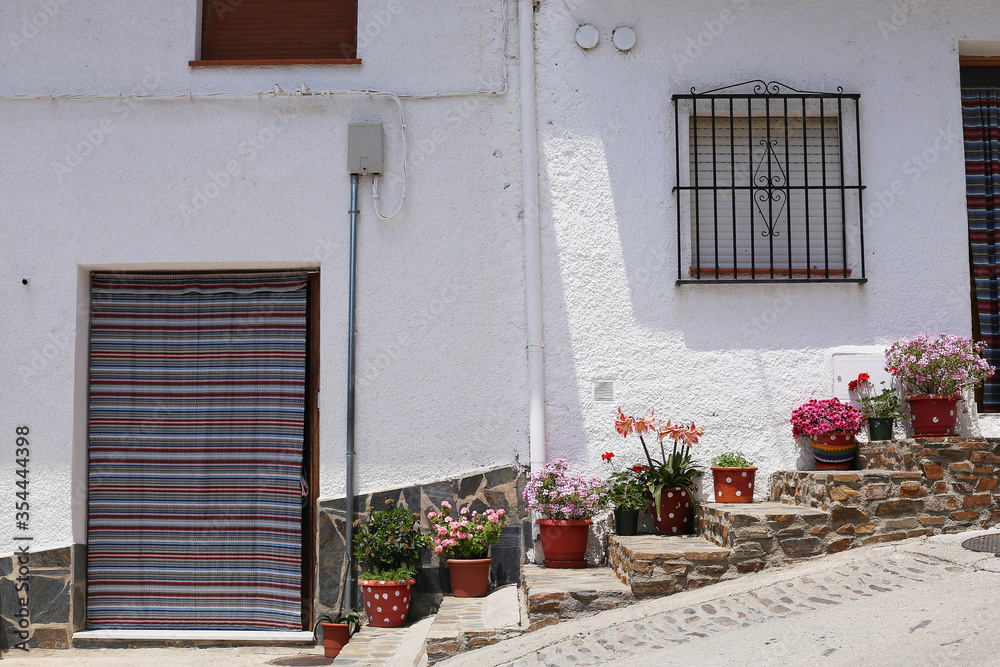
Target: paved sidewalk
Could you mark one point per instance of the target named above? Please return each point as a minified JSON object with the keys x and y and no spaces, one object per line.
{"x":925,"y":601}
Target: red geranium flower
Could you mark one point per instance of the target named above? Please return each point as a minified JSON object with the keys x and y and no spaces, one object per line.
{"x":607,"y":456}
{"x":863,"y":377}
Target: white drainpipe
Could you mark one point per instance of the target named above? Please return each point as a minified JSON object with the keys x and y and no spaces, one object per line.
{"x":532,"y":247}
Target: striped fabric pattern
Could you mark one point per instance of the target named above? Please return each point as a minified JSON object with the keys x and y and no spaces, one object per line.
{"x":197,"y":396}
{"x":981,"y":127}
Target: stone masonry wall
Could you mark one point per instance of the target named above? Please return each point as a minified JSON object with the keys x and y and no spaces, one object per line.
{"x":499,"y":488}
{"x":909,"y":488}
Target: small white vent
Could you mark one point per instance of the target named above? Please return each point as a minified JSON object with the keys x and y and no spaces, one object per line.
{"x":604,"y":392}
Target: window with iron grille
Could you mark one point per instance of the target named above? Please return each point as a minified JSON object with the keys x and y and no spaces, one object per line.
{"x":768,"y":185}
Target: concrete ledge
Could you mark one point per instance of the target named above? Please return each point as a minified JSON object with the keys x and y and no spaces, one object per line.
{"x":254,"y":636}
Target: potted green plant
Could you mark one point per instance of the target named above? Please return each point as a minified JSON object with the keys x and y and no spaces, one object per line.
{"x":464,"y":541}
{"x":831,"y":427}
{"x":387,"y":547}
{"x":337,"y":630}
{"x":568,"y":504}
{"x":934,"y":372}
{"x":881,"y":409}
{"x":669,"y":480}
{"x":625,"y":495}
{"x":733,"y":476}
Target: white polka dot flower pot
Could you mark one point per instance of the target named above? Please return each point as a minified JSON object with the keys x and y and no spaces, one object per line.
{"x":387,"y":602}
{"x":676,"y":515}
{"x":733,"y":485}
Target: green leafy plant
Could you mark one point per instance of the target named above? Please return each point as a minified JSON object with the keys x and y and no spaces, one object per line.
{"x":883,"y":405}
{"x":731,"y":460}
{"x":388,"y":544}
{"x":350,"y":617}
{"x":678,"y":469}
{"x":625,"y":486}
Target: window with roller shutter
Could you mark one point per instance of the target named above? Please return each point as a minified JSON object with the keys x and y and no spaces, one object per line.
{"x":278,"y":32}
{"x":768,"y":186}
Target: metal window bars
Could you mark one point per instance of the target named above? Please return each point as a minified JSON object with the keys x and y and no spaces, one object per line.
{"x":767,"y":196}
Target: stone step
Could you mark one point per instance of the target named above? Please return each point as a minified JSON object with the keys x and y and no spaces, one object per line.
{"x":661,"y":564}
{"x":758,"y":529}
{"x":463,"y":624}
{"x":554,"y":595}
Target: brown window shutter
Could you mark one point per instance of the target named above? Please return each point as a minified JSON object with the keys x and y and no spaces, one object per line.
{"x":279,"y":29}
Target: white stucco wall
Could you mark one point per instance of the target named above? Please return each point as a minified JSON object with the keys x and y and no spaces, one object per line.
{"x":442,"y":377}
{"x":737,"y":359}
{"x":442,"y":382}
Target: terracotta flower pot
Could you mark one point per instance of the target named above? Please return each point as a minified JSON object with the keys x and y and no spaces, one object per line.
{"x":676,"y":512}
{"x":564,"y":542}
{"x":470,"y":577}
{"x":834,"y":450}
{"x":335,"y":638}
{"x":933,"y":416}
{"x":734,"y":485}
{"x":387,"y":602}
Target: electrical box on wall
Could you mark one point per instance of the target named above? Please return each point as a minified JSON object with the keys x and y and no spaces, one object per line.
{"x":364,"y":148}
{"x":847,"y":367}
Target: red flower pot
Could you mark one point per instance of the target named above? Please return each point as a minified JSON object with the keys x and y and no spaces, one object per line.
{"x":564,"y":542}
{"x":834,"y":450}
{"x":734,"y":485}
{"x":676,"y":516}
{"x":470,"y":577}
{"x":335,"y":638}
{"x":933,"y":416}
{"x":387,"y":602}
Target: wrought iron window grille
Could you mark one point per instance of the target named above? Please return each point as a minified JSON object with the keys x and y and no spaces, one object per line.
{"x":762,"y":183}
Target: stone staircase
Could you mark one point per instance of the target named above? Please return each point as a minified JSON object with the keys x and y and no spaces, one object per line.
{"x":905,"y":488}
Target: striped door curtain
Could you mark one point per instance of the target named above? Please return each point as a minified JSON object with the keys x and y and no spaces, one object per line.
{"x":981,"y":126}
{"x":197,"y":393}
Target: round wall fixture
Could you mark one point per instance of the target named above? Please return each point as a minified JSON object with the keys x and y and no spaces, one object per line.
{"x":587,"y":36}
{"x":623,"y":38}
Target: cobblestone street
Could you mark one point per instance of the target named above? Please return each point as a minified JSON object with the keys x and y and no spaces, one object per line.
{"x":922,"y":603}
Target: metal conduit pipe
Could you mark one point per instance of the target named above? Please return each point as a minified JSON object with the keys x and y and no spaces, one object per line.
{"x":349,"y":499}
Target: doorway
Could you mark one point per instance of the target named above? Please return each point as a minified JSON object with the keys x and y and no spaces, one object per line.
{"x":202,"y":450}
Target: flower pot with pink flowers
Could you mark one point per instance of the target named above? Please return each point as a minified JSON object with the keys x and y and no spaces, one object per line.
{"x":831,"y":427}
{"x":668,"y":480}
{"x":935,"y":372}
{"x":568,"y":504}
{"x":464,"y":541}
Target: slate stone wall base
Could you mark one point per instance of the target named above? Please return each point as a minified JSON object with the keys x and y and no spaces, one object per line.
{"x":500,"y":488}
{"x":49,"y":595}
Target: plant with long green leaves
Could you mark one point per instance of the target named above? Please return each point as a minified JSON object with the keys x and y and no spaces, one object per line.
{"x":678,"y":469}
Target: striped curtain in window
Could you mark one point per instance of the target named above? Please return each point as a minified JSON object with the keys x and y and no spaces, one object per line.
{"x":197,"y":390}
{"x":981,"y":125}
